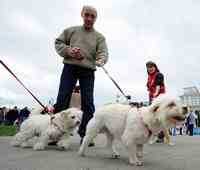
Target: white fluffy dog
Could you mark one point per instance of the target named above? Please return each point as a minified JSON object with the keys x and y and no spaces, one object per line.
{"x":132,"y":126}
{"x":38,"y":130}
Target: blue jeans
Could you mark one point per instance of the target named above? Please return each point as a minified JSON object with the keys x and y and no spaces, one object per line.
{"x":69,"y":77}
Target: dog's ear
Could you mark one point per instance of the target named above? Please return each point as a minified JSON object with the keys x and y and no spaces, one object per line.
{"x":154,"y":108}
{"x":171,"y":104}
{"x":65,"y":113}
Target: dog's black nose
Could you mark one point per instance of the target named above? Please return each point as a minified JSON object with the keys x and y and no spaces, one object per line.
{"x":78,"y":122}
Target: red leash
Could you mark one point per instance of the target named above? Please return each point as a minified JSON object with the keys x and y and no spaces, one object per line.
{"x":21,"y":83}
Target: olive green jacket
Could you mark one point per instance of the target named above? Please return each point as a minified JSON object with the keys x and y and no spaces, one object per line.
{"x":92,"y":44}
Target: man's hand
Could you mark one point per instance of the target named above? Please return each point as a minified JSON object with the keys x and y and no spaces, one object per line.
{"x":75,"y":53}
{"x":100,"y":62}
{"x":48,"y":110}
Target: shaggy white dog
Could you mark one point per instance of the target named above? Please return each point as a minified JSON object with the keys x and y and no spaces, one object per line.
{"x":38,"y":130}
{"x":132,"y":126}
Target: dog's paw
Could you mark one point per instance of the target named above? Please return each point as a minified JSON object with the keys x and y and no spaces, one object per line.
{"x":39,"y":146}
{"x":25,"y":145}
{"x":63,"y":145}
{"x":15,"y":143}
{"x":115,"y":156}
{"x":81,"y":153}
{"x":171,"y":144}
{"x":139,"y":163}
{"x":60,"y":143}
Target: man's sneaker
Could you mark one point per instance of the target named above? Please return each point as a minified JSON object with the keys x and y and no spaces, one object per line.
{"x":52,"y":143}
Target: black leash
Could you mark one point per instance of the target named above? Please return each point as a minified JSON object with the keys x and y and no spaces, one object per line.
{"x":115,"y":83}
{"x":21,"y":83}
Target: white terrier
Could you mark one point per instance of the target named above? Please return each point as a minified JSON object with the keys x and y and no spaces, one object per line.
{"x":133,"y":126}
{"x":38,"y":130}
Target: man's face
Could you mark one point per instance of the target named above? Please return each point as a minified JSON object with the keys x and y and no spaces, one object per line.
{"x":89,"y":18}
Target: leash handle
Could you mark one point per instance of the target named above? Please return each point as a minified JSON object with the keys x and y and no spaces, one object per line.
{"x":127,"y":97}
{"x":6,"y":67}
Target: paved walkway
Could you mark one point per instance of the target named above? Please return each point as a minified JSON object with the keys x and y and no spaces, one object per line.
{"x":185,"y":155}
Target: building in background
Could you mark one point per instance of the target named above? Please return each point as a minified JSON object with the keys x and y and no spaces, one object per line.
{"x":191,"y":98}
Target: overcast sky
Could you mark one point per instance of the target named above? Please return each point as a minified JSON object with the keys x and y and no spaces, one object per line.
{"x":166,"y":32}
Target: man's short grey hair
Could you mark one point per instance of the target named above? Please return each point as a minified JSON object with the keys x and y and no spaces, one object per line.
{"x":88,"y":7}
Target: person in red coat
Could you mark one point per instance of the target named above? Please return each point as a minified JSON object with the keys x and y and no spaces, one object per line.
{"x":155,"y":82}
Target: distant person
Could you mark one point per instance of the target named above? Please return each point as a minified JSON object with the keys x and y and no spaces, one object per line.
{"x":82,"y":49}
{"x":181,"y":130}
{"x":1,"y":116}
{"x":191,"y":122}
{"x":12,"y":115}
{"x":197,"y":113}
{"x":4,"y":111}
{"x":181,"y":127}
{"x":23,"y":114}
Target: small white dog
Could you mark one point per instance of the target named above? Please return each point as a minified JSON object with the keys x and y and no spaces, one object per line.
{"x":133,"y":126}
{"x":38,"y":130}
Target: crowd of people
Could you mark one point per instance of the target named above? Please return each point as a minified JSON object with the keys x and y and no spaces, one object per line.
{"x":15,"y":115}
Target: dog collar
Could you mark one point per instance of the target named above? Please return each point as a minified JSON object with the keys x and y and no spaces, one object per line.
{"x":57,"y":126}
{"x":148,"y":131}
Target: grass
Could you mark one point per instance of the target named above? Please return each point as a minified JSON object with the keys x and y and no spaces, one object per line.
{"x":7,"y":130}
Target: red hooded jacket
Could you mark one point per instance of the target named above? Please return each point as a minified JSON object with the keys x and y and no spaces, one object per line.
{"x":155,"y":79}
